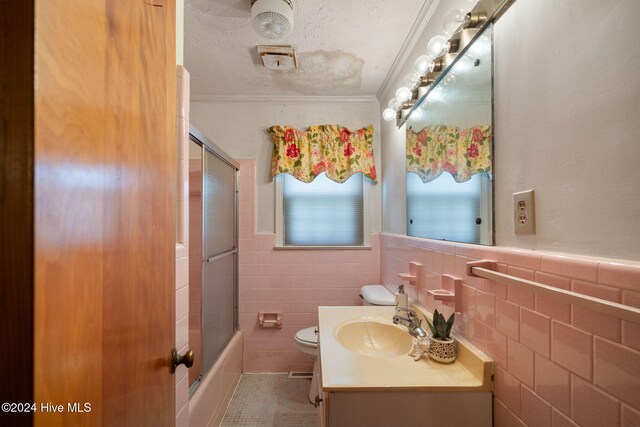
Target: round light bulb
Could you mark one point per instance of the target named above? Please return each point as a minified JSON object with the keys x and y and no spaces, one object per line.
{"x":453,"y":21}
{"x":389,"y":114}
{"x":394,"y":103}
{"x":403,"y":94}
{"x":424,"y":64}
{"x":437,"y":46}
{"x":411,"y":80}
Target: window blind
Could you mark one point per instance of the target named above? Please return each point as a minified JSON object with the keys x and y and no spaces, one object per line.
{"x":443,"y":208}
{"x":323,"y":212}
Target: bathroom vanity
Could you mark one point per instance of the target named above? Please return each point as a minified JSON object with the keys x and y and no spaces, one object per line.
{"x":368,"y":379}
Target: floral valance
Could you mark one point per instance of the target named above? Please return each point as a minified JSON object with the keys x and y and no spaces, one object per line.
{"x":439,"y":148}
{"x":332,"y":149}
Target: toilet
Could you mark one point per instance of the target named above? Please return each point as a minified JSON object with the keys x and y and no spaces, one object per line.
{"x":307,"y":339}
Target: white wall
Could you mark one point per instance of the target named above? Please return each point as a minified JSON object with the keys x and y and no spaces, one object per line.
{"x":567,"y":105}
{"x":567,"y":97}
{"x":239,"y":127}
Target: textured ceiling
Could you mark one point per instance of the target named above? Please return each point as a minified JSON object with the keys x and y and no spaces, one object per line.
{"x":344,"y":47}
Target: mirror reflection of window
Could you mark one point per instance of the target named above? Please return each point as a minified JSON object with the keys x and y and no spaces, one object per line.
{"x":445,"y":208}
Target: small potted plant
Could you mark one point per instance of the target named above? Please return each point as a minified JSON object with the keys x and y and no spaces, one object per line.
{"x":442,"y":347}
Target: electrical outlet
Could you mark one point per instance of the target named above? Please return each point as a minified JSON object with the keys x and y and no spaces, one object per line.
{"x":524,"y":213}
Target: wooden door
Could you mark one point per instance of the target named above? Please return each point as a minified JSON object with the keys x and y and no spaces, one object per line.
{"x":105,"y":202}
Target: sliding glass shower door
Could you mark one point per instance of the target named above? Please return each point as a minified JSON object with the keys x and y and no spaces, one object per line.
{"x":213,"y":253}
{"x":220,"y":253}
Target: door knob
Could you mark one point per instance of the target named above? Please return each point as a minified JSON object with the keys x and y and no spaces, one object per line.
{"x":177,"y":360}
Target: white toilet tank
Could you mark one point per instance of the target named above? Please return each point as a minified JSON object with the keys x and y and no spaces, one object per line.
{"x":376,"y":295}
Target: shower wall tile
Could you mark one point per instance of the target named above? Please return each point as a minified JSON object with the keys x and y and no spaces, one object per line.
{"x":554,"y":363}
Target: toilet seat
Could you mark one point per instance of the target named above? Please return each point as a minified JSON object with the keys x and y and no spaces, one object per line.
{"x":308,"y":337}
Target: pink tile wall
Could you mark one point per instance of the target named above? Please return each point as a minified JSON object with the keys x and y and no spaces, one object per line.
{"x":294,"y":282}
{"x":555,"y":364}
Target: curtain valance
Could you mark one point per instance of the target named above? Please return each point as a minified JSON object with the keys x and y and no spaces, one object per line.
{"x":439,"y":148}
{"x":332,"y":149}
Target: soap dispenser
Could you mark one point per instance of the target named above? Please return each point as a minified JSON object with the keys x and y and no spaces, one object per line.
{"x":402,"y":301}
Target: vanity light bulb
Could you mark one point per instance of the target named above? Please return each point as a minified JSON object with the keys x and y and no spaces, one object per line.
{"x":394,"y":103}
{"x":453,"y":21}
{"x":403,"y":94}
{"x":424,"y":64}
{"x":411,"y":80}
{"x":437,"y":46}
{"x":389,"y":114}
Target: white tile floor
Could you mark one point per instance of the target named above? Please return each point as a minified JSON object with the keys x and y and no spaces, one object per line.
{"x":271,"y":400}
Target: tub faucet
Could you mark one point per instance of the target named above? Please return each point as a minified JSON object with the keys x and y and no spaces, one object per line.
{"x":412,"y":322}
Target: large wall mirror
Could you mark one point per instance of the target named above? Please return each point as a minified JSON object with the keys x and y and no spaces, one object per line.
{"x":449,"y":149}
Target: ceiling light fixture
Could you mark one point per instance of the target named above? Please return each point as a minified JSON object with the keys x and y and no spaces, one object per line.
{"x":272,"y":19}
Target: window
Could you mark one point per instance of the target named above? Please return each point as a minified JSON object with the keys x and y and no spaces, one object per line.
{"x":320,"y":213}
{"x":446,"y":210}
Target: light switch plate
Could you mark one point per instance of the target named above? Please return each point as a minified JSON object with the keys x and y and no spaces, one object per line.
{"x":524,"y":212}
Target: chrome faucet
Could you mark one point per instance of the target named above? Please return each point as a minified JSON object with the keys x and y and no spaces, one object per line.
{"x":412,"y":322}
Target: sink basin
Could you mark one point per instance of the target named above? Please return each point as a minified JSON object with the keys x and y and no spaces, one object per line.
{"x":373,"y":338}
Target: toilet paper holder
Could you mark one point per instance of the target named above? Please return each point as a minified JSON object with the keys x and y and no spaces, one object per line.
{"x":270,"y":320}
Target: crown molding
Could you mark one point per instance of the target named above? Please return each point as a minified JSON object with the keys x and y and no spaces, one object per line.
{"x":301,"y":99}
{"x":418,"y":27}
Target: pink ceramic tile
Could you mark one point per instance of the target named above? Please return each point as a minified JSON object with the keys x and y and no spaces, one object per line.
{"x":591,"y":407}
{"x":449,"y":263}
{"x":553,"y":280}
{"x":486,"y":308}
{"x":438,"y":262}
{"x":631,"y":335}
{"x":559,"y":420}
{"x":522,"y":297}
{"x":520,"y":258}
{"x":534,"y":411}
{"x":553,"y":383}
{"x":565,"y":265}
{"x":535,"y":331}
{"x":508,"y":318}
{"x":182,"y":272}
{"x":572,"y":349}
{"x":553,"y":308}
{"x":617,"y":371}
{"x":593,"y":289}
{"x":507,"y":389}
{"x":619,"y":275}
{"x":497,"y":289}
{"x":182,"y":302}
{"x":631,"y":298}
{"x":597,"y":323}
{"x":520,"y":362}
{"x":522,"y":273}
{"x":182,"y":332}
{"x":630,"y":416}
{"x":496,"y":346}
{"x":503,"y":417}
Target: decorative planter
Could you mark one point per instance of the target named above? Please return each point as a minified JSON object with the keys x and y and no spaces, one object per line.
{"x":442,"y":350}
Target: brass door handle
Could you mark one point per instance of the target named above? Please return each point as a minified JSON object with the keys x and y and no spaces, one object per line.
{"x":177,"y":360}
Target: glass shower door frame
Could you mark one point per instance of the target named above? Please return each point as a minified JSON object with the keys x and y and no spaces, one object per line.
{"x":208,"y":146}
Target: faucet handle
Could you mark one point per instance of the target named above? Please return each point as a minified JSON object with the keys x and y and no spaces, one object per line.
{"x":410,"y":313}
